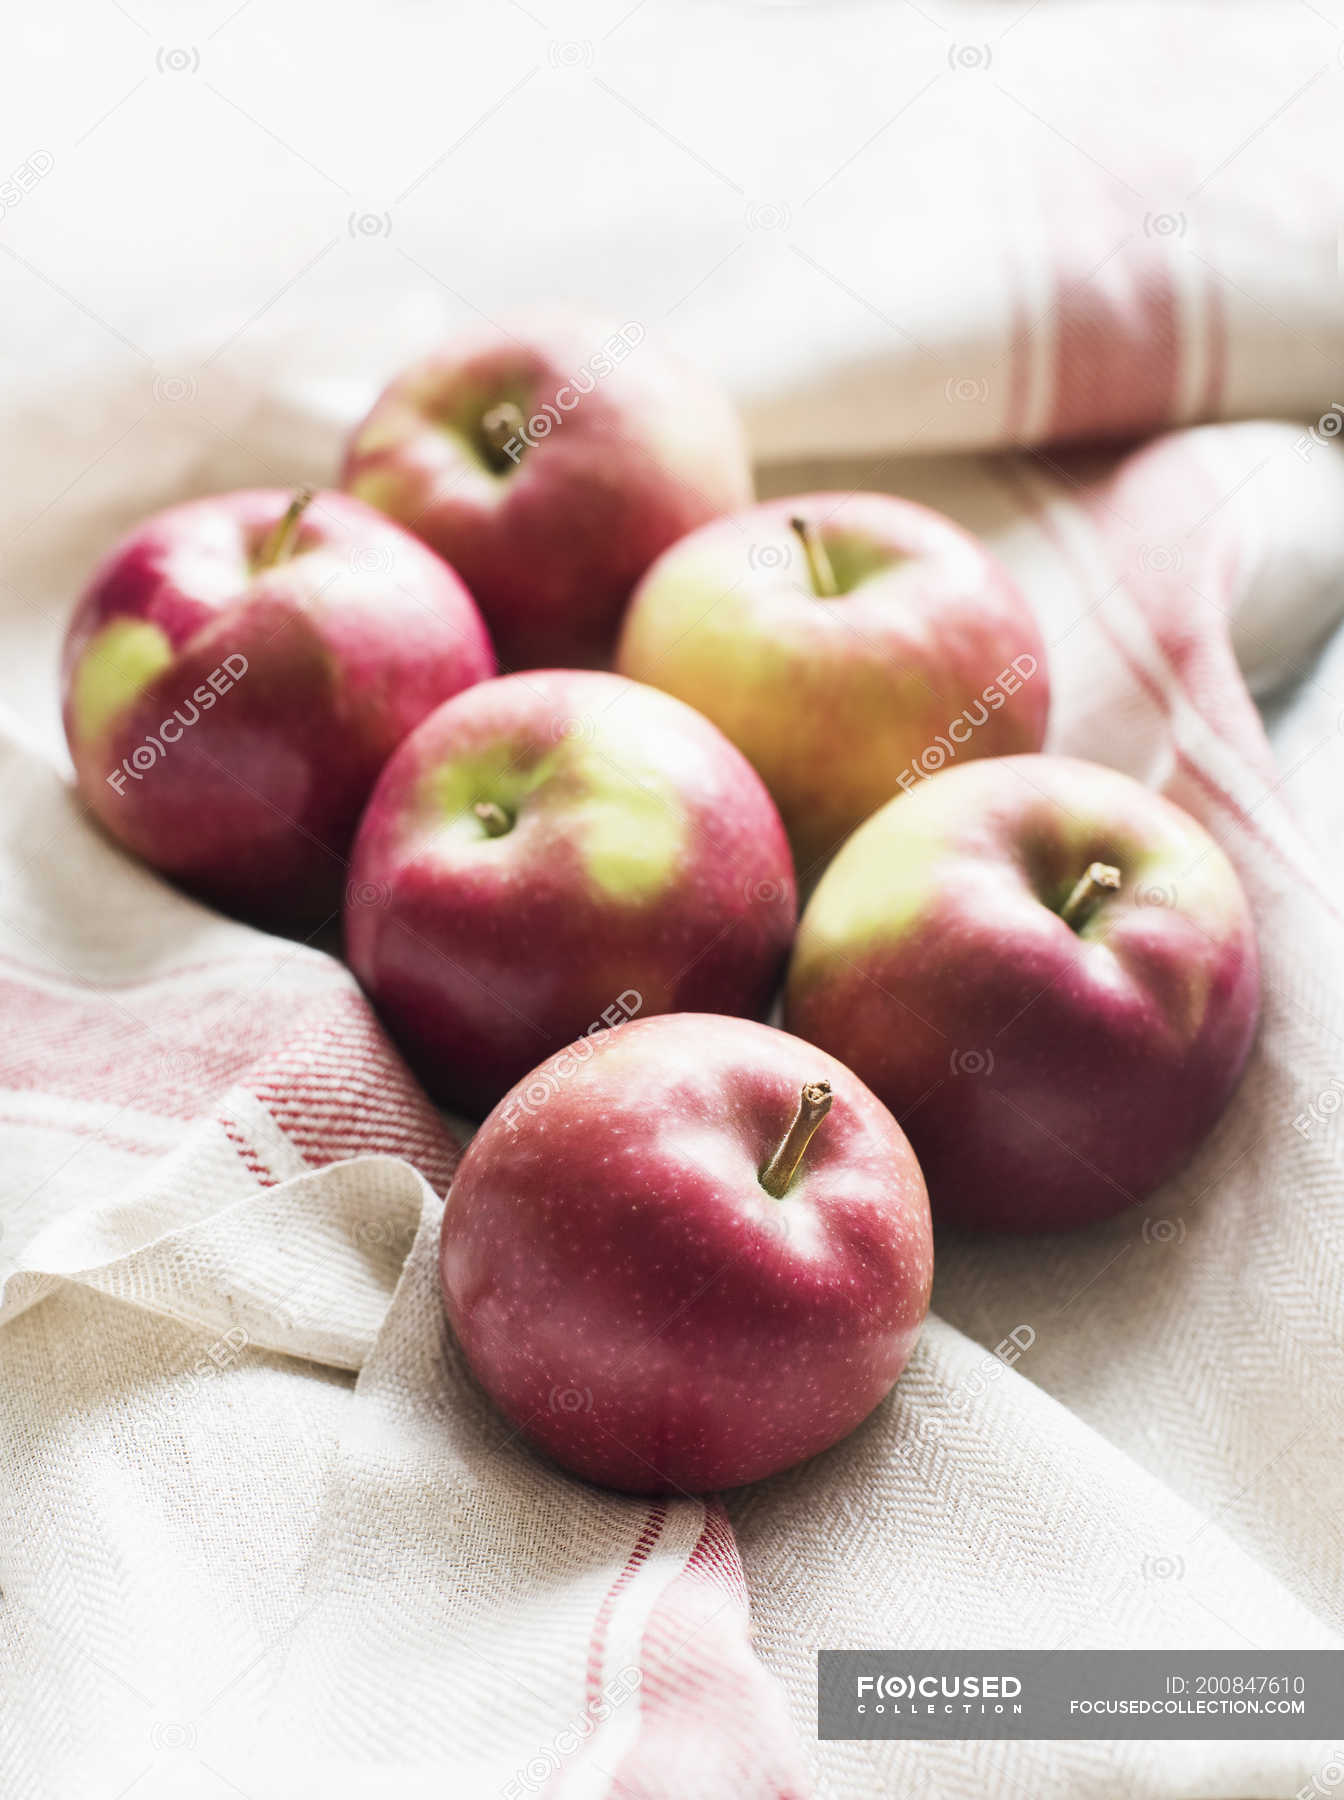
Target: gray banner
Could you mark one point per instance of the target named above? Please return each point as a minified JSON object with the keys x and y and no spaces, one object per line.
{"x":1080,"y":1694}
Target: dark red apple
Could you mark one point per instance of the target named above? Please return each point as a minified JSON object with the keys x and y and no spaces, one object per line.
{"x":236,"y":675}
{"x":552,"y":846}
{"x":1048,"y":972}
{"x":550,"y":462}
{"x":687,"y":1253}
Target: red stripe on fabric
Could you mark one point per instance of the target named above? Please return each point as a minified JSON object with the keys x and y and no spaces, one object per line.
{"x":715,"y":1556}
{"x":318,"y":1062}
{"x":597,"y":1649}
{"x":1185,"y":759}
{"x":166,"y":1059}
{"x":1173,"y":592}
{"x":1117,"y":348}
{"x":58,"y":977}
{"x":251,"y":1160}
{"x":342,"y":1091}
{"x":702,"y":1684}
{"x":67,"y":1128}
{"x":1020,"y":352}
{"x":1212,"y":787}
{"x":1210,"y":402}
{"x":652,"y":1530}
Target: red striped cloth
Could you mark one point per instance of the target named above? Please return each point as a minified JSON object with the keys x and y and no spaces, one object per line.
{"x":265,"y":1535}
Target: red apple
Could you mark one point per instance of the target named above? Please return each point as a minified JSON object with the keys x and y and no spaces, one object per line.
{"x":1049,"y":974}
{"x":849,"y":645}
{"x":552,"y":846}
{"x":550,"y":463}
{"x":687,"y":1253}
{"x":236,"y":675}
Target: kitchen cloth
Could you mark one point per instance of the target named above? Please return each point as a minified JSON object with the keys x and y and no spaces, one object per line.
{"x":263,"y":1534}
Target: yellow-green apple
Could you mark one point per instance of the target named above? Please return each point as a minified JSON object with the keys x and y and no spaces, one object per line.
{"x":687,"y":1253}
{"x":553,"y":849}
{"x":550,"y":463}
{"x":237,"y":673}
{"x":848,"y":644}
{"x":1047,"y":971}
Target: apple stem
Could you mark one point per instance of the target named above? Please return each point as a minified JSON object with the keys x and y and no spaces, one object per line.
{"x":1096,"y":880}
{"x":494,"y":818}
{"x":279,"y":541}
{"x":819,"y":566}
{"x":813,"y":1107}
{"x":501,"y":427}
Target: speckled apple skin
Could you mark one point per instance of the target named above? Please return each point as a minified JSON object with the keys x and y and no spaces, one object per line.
{"x":632,"y":1298}
{"x":551,"y":547}
{"x":1048,"y":1077}
{"x":646,"y":858}
{"x":931,"y":653}
{"x":348,"y":643}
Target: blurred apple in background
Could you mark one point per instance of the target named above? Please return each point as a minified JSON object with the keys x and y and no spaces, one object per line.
{"x":236,"y":675}
{"x":549,"y":462}
{"x":687,"y":1253}
{"x":1048,"y":972}
{"x":848,"y":645}
{"x":547,"y":848}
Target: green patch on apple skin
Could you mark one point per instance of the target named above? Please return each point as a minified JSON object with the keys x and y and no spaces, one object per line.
{"x":118,"y":664}
{"x":381,"y":487}
{"x":856,"y":558}
{"x":881,"y":884}
{"x":450,"y":792}
{"x":458,"y":412}
{"x":705,"y":642}
{"x":631,"y":842}
{"x":624,"y":826}
{"x":387,"y":427}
